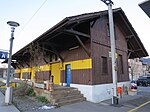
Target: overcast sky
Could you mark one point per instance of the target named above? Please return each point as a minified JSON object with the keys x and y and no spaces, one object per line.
{"x":53,"y":11}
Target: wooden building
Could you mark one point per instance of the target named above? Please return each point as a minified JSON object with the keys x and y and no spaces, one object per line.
{"x":76,"y":52}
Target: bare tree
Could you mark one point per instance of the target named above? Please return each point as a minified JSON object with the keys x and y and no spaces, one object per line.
{"x":135,"y":68}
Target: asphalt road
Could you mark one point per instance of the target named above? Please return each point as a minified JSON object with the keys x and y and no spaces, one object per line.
{"x":143,"y":103}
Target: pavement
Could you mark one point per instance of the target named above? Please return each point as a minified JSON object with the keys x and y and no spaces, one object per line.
{"x":4,"y":107}
{"x":128,"y":103}
{"x":85,"y":106}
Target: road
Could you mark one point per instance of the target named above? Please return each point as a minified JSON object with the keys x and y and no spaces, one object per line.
{"x":143,"y":103}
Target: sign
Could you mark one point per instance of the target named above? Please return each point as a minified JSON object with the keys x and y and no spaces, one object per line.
{"x":3,"y":55}
{"x":110,"y":55}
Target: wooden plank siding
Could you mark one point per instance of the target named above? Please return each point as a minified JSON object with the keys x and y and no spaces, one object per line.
{"x":17,"y":75}
{"x":100,"y":40}
{"x":82,"y":76}
{"x":26,"y":75}
{"x":76,"y":54}
{"x":42,"y":75}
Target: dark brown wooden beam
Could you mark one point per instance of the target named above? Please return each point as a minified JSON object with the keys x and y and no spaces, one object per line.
{"x":17,"y":66}
{"x":75,"y":24}
{"x":83,"y":46}
{"x":45,"y":60}
{"x":138,"y":50}
{"x":55,"y":51}
{"x":20,"y":63}
{"x":132,"y":49}
{"x":129,"y":54}
{"x":13,"y":64}
{"x":27,"y":63}
{"x":93,"y":23}
{"x":130,"y":36}
{"x":51,"y":37}
{"x":49,"y":43}
{"x":73,"y":32}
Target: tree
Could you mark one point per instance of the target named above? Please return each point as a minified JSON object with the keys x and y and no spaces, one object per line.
{"x":135,"y":68}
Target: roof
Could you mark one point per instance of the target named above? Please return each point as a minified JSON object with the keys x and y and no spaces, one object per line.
{"x":146,"y":7}
{"x":57,"y":36}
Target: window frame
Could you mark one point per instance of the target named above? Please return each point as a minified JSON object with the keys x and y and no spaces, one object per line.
{"x":104,"y":61}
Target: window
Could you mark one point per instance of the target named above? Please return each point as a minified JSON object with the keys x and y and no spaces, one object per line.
{"x":104,"y":65}
{"x":120,"y":64}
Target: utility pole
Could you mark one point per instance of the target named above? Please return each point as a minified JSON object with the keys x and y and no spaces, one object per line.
{"x":113,"y":51}
{"x":8,"y":93}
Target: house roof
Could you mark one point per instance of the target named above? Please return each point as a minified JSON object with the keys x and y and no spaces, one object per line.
{"x":145,"y":6}
{"x":58,"y":35}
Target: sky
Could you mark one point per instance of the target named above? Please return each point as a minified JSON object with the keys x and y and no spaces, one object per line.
{"x":34,"y":20}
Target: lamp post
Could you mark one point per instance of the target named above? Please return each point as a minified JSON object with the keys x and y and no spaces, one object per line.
{"x":113,"y":51}
{"x":8,"y":93}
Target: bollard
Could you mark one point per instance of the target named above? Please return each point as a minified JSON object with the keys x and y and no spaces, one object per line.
{"x":120,"y":92}
{"x":47,"y":85}
{"x":51,"y":84}
{"x":33,"y":82}
{"x":8,"y":95}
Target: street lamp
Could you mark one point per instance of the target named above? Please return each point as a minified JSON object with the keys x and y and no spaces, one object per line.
{"x":113,"y":51}
{"x":8,"y":93}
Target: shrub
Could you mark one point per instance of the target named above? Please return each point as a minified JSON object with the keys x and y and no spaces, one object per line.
{"x":42,"y":99}
{"x":21,"y":89}
{"x":31,"y":92}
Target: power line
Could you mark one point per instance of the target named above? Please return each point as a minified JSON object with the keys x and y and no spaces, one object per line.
{"x":34,"y":14}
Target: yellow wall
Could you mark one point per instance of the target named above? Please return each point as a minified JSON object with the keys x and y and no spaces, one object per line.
{"x":24,"y":70}
{"x":55,"y":71}
{"x":45,"y":67}
{"x":33,"y":70}
{"x":56,"y":68}
{"x":17,"y":71}
{"x":11,"y":85}
{"x":79,"y":64}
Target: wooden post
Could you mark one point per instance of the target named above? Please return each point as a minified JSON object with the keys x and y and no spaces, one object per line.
{"x":51,"y":84}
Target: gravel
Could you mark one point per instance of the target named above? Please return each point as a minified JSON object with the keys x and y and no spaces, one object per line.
{"x":28,"y":104}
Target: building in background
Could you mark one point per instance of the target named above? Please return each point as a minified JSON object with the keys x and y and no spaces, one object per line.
{"x":136,"y":68}
{"x":145,"y":6}
{"x":146,"y":65}
{"x":3,"y":69}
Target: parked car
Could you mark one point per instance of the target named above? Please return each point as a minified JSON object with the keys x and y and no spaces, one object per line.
{"x":133,"y":84}
{"x":143,"y":80}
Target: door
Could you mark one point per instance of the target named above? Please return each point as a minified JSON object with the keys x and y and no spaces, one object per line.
{"x":68,"y":74}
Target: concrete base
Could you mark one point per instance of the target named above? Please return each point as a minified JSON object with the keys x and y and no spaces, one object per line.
{"x":98,"y":93}
{"x":132,"y":92}
{"x":8,"y":95}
